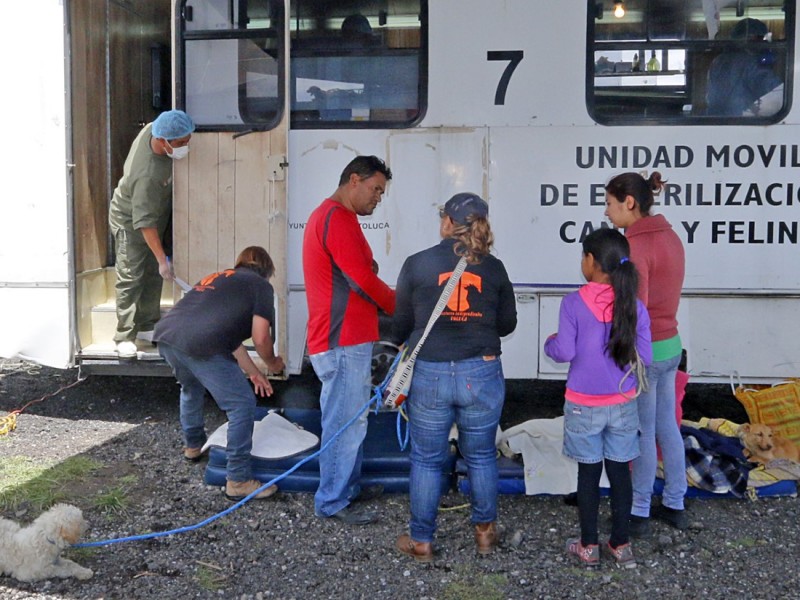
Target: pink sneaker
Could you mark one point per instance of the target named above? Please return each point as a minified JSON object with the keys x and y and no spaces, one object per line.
{"x":623,"y":555}
{"x":588,"y":555}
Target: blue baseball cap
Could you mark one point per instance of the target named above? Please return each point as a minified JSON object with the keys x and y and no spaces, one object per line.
{"x":172,"y":125}
{"x":465,"y":205}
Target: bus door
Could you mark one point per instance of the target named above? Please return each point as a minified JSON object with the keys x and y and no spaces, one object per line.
{"x":230,"y":192}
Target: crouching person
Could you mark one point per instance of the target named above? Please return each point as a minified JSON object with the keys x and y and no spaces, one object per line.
{"x":201,"y":338}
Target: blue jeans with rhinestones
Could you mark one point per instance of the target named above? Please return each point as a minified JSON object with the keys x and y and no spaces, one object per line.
{"x":469,"y":393}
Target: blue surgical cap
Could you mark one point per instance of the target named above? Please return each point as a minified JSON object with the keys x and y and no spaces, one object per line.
{"x":173,"y":124}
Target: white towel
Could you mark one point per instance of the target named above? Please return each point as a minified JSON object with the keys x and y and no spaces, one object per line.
{"x":547,"y":470}
{"x":273,"y":437}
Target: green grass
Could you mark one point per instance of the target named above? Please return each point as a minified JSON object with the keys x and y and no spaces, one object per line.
{"x":210,"y":579}
{"x":22,"y":480}
{"x":82,"y":554}
{"x":476,"y":586}
{"x":116,"y":500}
{"x":113,"y":501}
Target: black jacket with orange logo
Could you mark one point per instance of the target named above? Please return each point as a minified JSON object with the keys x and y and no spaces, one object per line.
{"x":481,"y":309}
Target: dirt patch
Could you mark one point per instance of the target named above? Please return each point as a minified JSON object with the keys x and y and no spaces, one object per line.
{"x":278,"y":549}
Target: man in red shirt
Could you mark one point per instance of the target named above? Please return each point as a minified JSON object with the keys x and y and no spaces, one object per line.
{"x":344,"y":294}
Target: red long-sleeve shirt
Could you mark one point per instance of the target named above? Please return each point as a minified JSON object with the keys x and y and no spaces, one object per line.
{"x":342,"y":291}
{"x":658,"y":254}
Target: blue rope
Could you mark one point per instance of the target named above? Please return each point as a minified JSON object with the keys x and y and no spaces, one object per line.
{"x":402,"y":440}
{"x":379,"y":389}
{"x":376,"y":399}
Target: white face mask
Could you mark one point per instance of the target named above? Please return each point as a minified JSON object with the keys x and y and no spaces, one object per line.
{"x":178,"y":153}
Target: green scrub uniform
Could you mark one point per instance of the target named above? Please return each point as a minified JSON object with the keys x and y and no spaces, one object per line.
{"x":143,"y":198}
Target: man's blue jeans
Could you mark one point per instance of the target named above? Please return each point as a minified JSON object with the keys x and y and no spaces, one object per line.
{"x":222,"y":377}
{"x":345,"y":373}
{"x":471,"y":394}
{"x":657,"y":423}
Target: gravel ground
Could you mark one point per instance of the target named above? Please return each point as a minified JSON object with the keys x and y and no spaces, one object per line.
{"x":278,"y":549}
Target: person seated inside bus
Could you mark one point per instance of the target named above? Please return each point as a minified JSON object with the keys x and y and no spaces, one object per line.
{"x":743,"y":82}
{"x":356,"y":31}
{"x":348,"y":76}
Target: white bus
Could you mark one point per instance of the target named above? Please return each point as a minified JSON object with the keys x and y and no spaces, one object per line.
{"x":532,"y":105}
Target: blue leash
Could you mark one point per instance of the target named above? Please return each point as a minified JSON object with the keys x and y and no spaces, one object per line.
{"x":376,"y":399}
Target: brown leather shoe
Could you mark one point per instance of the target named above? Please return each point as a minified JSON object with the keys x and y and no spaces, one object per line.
{"x":486,"y":537}
{"x":419,"y":551}
{"x":238,"y":490}
{"x":193,"y":454}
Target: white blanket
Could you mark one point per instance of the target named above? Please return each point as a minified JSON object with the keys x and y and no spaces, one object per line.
{"x":273,"y":437}
{"x":547,"y":470}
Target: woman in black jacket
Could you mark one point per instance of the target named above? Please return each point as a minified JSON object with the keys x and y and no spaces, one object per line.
{"x":458,"y":377}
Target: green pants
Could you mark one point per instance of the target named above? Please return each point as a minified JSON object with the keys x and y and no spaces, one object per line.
{"x":138,"y":286}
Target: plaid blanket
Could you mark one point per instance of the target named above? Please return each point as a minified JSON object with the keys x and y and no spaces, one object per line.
{"x":715,"y":462}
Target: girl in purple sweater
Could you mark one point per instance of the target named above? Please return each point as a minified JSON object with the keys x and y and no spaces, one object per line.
{"x":604,"y":333}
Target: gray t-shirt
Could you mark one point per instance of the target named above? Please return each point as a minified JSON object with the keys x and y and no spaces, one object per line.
{"x":216,"y":315}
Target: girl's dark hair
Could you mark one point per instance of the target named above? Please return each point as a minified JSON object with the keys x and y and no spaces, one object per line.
{"x":256,"y":259}
{"x":641,"y":189}
{"x":611,"y":252}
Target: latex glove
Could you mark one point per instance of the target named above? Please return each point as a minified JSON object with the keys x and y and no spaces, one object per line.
{"x":165,"y":270}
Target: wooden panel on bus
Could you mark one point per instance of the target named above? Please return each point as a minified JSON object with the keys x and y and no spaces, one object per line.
{"x":226,"y":198}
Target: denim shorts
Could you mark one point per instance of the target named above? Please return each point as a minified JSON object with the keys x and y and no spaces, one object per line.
{"x":592,"y":433}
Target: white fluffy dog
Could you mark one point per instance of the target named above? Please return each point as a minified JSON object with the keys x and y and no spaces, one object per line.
{"x":32,"y":553}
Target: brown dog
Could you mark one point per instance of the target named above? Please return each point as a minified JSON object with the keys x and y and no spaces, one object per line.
{"x":761,"y":445}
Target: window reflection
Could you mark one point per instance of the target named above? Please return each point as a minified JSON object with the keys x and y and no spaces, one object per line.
{"x":669,"y":61}
{"x":356,"y":64}
{"x":233,"y":73}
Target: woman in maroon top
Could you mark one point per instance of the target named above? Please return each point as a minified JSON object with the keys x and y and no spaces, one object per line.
{"x":658,"y":254}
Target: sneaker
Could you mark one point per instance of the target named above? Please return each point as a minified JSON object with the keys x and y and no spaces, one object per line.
{"x":639,"y":527}
{"x":239,"y":490}
{"x":193,"y":454}
{"x":126,"y":349}
{"x":672,"y":516}
{"x":623,"y":555}
{"x":368,"y":492}
{"x":355,"y":516}
{"x":588,"y":555}
{"x":147,"y":336}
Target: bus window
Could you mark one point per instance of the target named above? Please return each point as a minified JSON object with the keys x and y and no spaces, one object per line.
{"x":231,"y":63}
{"x":357,"y":63}
{"x":689,"y":61}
